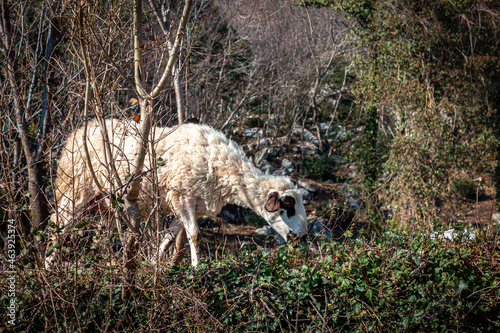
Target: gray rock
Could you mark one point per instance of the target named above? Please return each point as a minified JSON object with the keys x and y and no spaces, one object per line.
{"x":268,"y":231}
{"x":319,"y":229}
{"x":287,"y":164}
{"x":267,"y":168}
{"x":263,"y":154}
{"x":354,"y":203}
{"x":273,"y":152}
{"x":329,"y":182}
{"x":306,"y":195}
{"x":353,"y":173}
{"x":351,"y":196}
{"x":251,"y":146}
{"x":338,"y":160}
{"x":228,"y":215}
{"x":324,"y":127}
{"x":305,"y":147}
{"x":495,"y":222}
{"x":341,"y":133}
{"x":253,"y":132}
{"x":305,"y":185}
{"x":282,"y":172}
{"x":264,"y":231}
{"x":300,"y":131}
{"x":264,"y":142}
{"x":282,"y":139}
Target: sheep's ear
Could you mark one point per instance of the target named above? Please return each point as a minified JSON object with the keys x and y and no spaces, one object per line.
{"x":287,"y":201}
{"x":273,"y":202}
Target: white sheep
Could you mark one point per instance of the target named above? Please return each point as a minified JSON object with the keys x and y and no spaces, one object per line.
{"x":203,"y":171}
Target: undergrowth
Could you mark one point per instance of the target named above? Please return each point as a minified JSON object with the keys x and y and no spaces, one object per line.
{"x":391,"y":283}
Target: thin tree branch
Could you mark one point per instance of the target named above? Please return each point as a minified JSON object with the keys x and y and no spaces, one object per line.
{"x":175,"y":50}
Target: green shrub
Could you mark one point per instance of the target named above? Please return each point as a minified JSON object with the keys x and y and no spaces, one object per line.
{"x":319,"y":167}
{"x":252,"y":218}
{"x":338,"y":214}
{"x":392,"y":283}
{"x":254,"y":122}
{"x":467,"y":188}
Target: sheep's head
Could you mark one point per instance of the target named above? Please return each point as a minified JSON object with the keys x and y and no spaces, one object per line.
{"x":286,"y":213}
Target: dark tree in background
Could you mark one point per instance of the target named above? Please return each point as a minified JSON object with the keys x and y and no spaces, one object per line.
{"x":24,"y":77}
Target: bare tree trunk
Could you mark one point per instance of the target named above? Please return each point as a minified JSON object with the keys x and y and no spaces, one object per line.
{"x":162,"y":18}
{"x":146,"y":106}
{"x":313,"y":105}
{"x":38,"y":200}
{"x":179,"y":97}
{"x":164,"y":22}
{"x":45,"y":118}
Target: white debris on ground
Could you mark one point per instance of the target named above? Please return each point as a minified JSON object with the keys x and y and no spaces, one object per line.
{"x":452,"y":234}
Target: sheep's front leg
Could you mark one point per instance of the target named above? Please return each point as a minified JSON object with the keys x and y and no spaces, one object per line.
{"x":188,"y":217}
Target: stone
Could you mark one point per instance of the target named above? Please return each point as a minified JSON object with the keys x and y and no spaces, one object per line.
{"x":253,"y":132}
{"x":268,"y":231}
{"x":264,"y":142}
{"x":282,"y":172}
{"x":306,"y":195}
{"x":495,"y":222}
{"x":263,"y":154}
{"x":384,"y":176}
{"x":273,"y":152}
{"x":301,"y":132}
{"x":350,"y":195}
{"x":227,"y":215}
{"x":325,"y":128}
{"x":338,"y":160}
{"x":319,"y":228}
{"x":251,"y":146}
{"x":267,"y":168}
{"x":287,"y":167}
{"x":264,"y":231}
{"x":305,"y":185}
{"x":287,"y":164}
{"x":273,"y":121}
{"x":341,"y":134}
{"x":305,"y":147}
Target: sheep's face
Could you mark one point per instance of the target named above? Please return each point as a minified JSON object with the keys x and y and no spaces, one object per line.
{"x":286,"y":213}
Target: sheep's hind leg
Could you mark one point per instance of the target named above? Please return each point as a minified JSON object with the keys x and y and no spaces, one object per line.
{"x":168,"y":240}
{"x":63,"y":211}
{"x":180,"y":246}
